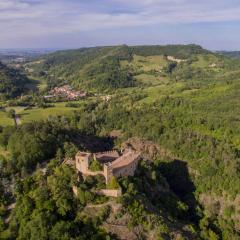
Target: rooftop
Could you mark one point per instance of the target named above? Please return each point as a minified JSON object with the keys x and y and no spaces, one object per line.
{"x":125,"y":159}
{"x":83,"y":154}
{"x":107,"y":156}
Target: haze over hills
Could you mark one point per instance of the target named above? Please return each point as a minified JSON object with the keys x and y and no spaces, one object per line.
{"x":21,"y":55}
{"x":179,"y":105}
{"x":233,"y":54}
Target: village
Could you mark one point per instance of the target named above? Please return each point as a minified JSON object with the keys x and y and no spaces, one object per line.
{"x":67,"y":92}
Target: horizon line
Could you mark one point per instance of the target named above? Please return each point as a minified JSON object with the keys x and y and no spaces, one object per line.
{"x":113,"y":45}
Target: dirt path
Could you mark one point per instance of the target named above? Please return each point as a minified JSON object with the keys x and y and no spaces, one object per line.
{"x":9,"y":209}
{"x":17,"y":120}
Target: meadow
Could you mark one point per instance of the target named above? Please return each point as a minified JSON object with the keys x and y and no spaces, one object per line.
{"x":35,"y":113}
{"x":5,"y":120}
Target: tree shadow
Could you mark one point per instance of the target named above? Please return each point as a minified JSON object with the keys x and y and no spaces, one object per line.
{"x":94,"y":143}
{"x":179,"y":180}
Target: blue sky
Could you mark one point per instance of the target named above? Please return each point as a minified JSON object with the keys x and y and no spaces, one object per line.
{"x":214,"y":24}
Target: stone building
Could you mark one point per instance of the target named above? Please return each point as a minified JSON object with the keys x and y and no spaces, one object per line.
{"x":112,"y":162}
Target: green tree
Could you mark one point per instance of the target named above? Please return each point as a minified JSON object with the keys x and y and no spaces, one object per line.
{"x":11,"y":113}
{"x":95,"y":165}
{"x":60,"y":184}
{"x":113,"y":183}
{"x":70,"y":150}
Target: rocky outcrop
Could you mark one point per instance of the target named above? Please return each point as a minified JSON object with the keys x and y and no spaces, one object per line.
{"x":148,"y":149}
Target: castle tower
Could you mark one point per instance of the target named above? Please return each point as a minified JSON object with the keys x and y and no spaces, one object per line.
{"x":83,"y":161}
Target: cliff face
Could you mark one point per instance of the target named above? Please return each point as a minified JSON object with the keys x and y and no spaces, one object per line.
{"x":149,"y":149}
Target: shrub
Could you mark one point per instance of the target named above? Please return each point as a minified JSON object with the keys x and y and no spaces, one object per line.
{"x":95,"y":166}
{"x":113,"y":184}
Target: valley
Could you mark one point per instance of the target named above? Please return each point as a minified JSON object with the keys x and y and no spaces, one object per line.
{"x":179,"y":105}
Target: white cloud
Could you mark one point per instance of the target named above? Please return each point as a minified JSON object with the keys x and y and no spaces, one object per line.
{"x":12,"y":4}
{"x":38,"y":18}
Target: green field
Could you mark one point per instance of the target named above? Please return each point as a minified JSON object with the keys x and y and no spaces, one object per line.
{"x":18,"y":110}
{"x":151,"y":79}
{"x":149,"y":63}
{"x":148,"y":69}
{"x":4,"y":120}
{"x":37,"y":114}
{"x":157,"y":92}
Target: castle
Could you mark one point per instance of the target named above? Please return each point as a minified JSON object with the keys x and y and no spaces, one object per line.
{"x":112,"y":162}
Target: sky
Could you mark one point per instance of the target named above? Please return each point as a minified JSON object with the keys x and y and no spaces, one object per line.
{"x":214,"y":24}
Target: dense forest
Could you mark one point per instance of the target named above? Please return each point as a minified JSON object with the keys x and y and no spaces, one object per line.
{"x":12,"y":82}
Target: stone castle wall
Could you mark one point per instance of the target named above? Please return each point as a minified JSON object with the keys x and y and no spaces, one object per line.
{"x":105,"y":192}
{"x":82,"y":165}
{"x":123,"y":166}
{"x":127,"y":170}
{"x":110,"y":192}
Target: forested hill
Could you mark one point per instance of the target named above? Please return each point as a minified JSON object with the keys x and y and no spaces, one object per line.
{"x":232,"y":54}
{"x":178,"y":51}
{"x":12,"y":82}
{"x":105,"y":67}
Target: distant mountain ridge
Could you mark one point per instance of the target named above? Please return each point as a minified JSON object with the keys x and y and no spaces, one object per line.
{"x":232,"y":54}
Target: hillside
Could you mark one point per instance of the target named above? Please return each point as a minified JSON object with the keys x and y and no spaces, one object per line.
{"x":232,"y":54}
{"x":178,"y":105}
{"x":43,"y":200}
{"x":12,"y":82}
{"x":103,"y":68}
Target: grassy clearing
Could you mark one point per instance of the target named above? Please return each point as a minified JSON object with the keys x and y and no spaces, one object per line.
{"x":204,"y":61}
{"x":4,"y":120}
{"x":150,"y":69}
{"x":157,"y":92}
{"x":37,"y":83}
{"x":17,"y":109}
{"x":150,"y":79}
{"x":37,"y":114}
{"x":146,"y":64}
{"x":149,"y":63}
{"x":156,"y":62}
{"x":212,"y":92}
